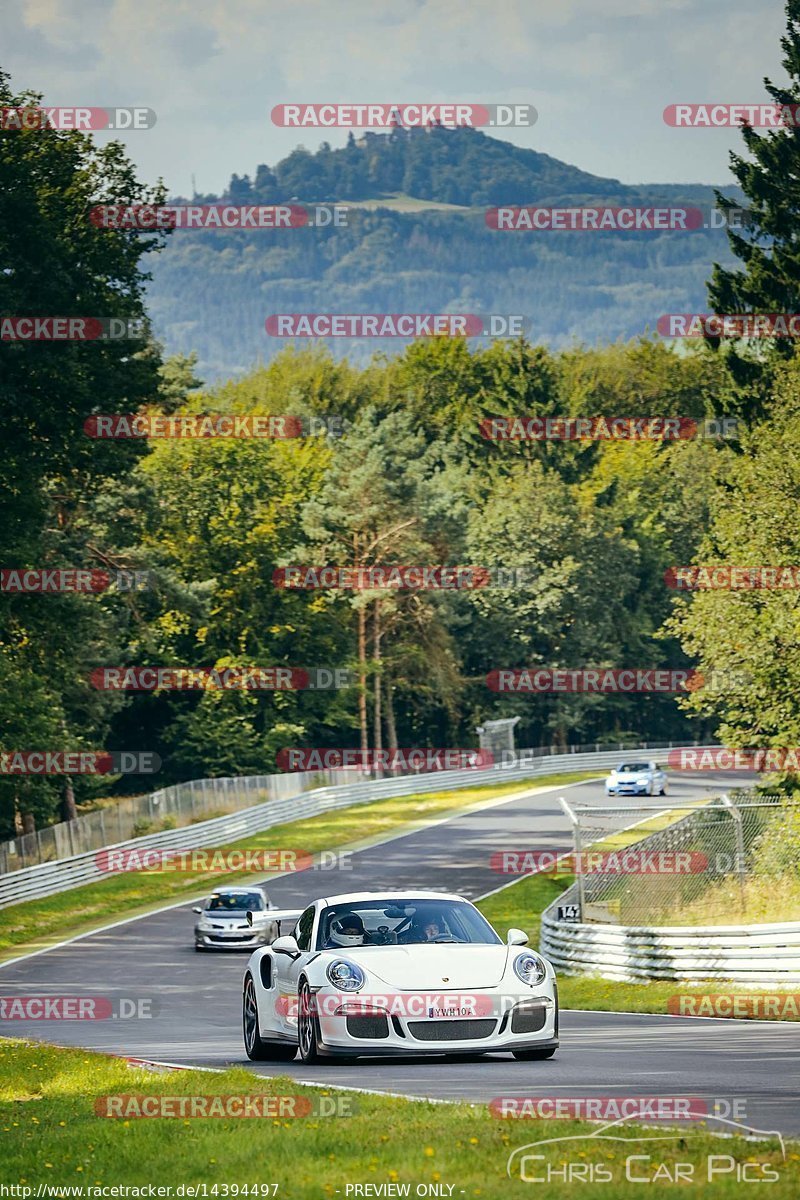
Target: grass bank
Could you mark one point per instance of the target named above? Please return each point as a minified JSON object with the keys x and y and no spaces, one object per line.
{"x":52,"y":1137}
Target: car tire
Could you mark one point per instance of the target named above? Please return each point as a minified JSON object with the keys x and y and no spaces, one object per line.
{"x":307,"y":1025}
{"x":255,"y":1046}
{"x":535,"y":1053}
{"x":663,"y":791}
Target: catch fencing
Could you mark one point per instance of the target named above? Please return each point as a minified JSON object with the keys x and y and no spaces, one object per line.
{"x":737,"y":856}
{"x":50,"y":877}
{"x":199,"y":800}
{"x":664,"y":907}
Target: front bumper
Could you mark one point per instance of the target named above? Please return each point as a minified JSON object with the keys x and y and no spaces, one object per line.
{"x":240,"y":940}
{"x":527,"y":1022}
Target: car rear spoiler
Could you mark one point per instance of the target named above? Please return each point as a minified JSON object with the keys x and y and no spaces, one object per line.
{"x":279,"y":914}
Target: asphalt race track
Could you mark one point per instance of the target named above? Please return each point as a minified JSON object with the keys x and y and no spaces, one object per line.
{"x":197,"y":997}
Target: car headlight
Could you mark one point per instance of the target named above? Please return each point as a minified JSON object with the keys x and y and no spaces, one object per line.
{"x":345,"y":976}
{"x":529,"y":967}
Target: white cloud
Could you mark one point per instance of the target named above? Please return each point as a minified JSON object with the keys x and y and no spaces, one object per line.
{"x":600,"y":74}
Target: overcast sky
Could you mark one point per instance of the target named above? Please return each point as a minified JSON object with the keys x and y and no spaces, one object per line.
{"x":599,"y":72}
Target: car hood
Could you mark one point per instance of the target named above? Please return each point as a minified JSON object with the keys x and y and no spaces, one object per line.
{"x":430,"y":966}
{"x":632,"y":774}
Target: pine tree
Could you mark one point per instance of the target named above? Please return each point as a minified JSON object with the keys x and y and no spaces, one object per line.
{"x":769,"y":246}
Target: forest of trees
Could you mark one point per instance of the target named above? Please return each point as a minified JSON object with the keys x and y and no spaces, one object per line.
{"x":212,"y":291}
{"x":403,"y":476}
{"x":453,"y":166}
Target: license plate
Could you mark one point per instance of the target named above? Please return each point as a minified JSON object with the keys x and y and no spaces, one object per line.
{"x":443,"y":1014}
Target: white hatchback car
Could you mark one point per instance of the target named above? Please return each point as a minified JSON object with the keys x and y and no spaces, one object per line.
{"x":637,"y":779}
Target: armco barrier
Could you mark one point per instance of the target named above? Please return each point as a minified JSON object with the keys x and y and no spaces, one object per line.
{"x":168,"y":808}
{"x":49,"y":878}
{"x":745,"y":954}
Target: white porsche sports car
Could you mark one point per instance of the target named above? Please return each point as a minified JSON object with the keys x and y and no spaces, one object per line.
{"x":397,"y":973}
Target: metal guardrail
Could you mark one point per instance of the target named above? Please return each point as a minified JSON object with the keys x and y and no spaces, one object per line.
{"x":47,"y":879}
{"x":170,"y":807}
{"x":748,"y":954}
{"x":197,"y":800}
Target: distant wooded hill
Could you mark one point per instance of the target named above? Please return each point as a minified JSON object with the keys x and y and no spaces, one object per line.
{"x":211,"y":292}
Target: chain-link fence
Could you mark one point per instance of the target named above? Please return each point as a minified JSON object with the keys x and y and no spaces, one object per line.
{"x":733,"y":859}
{"x":188,"y":803}
{"x":170,"y":808}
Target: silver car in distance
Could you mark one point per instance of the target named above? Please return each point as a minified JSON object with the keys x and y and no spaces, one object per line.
{"x":223,"y":923}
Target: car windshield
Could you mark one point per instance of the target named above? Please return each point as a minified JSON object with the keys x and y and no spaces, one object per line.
{"x":403,"y":923}
{"x":235,"y":902}
{"x":634,"y":767}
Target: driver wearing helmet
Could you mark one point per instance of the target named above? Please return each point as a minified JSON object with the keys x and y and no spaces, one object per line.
{"x":423,"y":928}
{"x":347,"y":930}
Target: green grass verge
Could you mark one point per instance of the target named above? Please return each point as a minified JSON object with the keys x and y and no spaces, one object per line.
{"x":51,"y":1135}
{"x":37,"y":923}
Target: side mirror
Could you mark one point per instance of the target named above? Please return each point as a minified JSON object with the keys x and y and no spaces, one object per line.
{"x":517,"y":937}
{"x":286,"y":945}
{"x":197,"y":910}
